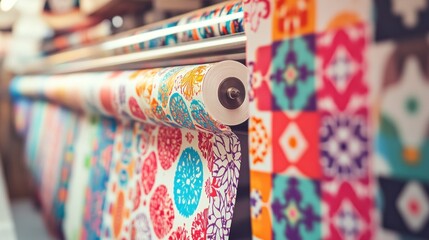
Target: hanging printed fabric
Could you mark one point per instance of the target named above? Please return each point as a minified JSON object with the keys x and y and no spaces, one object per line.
{"x":309,"y":121}
{"x":400,"y":84}
{"x":98,"y":178}
{"x":84,"y":144}
{"x":167,"y":166}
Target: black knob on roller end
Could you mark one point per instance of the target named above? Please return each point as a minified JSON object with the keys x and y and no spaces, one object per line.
{"x":231,"y":93}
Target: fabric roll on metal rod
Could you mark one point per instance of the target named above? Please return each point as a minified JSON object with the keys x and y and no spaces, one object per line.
{"x":219,"y":20}
{"x":215,"y":93}
{"x":208,"y":50}
{"x":179,"y":154}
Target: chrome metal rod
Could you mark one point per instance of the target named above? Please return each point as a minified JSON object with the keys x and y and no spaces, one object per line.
{"x":225,"y":47}
{"x":138,"y":35}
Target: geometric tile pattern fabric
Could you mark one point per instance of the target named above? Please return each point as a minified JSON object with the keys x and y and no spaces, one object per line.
{"x":339,"y":101}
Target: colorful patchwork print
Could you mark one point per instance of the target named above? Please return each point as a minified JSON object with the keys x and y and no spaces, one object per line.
{"x":344,"y":147}
{"x":341,"y":83}
{"x":405,"y":206}
{"x":309,"y":120}
{"x":296,"y":208}
{"x":292,"y":80}
{"x":346,"y":207}
{"x":295,"y":144}
{"x":291,"y":18}
{"x":193,"y":194}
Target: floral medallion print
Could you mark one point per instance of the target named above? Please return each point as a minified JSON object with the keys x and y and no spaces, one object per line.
{"x":179,"y":111}
{"x":179,"y":234}
{"x":170,"y":170}
{"x":199,"y":226}
{"x":190,"y":85}
{"x":344,"y":147}
{"x":161,"y":211}
{"x":202,"y":118}
{"x":188,"y":182}
{"x":135,"y":109}
{"x":169,"y":143}
{"x":148,"y":173}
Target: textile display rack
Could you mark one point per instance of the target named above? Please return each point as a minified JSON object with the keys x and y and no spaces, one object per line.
{"x":263,"y":119}
{"x":163,"y":162}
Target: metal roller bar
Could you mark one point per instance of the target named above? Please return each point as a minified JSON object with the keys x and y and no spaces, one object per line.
{"x":142,"y":34}
{"x":230,"y":47}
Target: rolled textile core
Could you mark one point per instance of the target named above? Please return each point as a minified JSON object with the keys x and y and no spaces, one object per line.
{"x":193,"y":96}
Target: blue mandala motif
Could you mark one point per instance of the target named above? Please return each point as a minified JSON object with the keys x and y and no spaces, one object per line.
{"x":179,"y":111}
{"x":188,"y":182}
{"x":200,"y":115}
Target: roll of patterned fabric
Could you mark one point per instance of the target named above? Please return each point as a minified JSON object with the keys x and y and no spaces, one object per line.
{"x":184,"y":96}
{"x":219,"y":20}
{"x":77,"y":38}
{"x":163,"y":163}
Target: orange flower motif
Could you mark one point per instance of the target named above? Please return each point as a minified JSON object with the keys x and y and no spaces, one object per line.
{"x":190,"y":85}
{"x":145,"y":84}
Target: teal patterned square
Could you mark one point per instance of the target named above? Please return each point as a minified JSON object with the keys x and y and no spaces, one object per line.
{"x":293,"y":74}
{"x":296,"y":208}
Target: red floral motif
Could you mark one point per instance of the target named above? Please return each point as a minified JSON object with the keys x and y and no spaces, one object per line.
{"x":179,"y":234}
{"x":211,"y":187}
{"x":199,"y":226}
{"x":135,"y":109}
{"x":169,"y":143}
{"x":161,"y":211}
{"x":205,"y":145}
{"x":149,"y":170}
